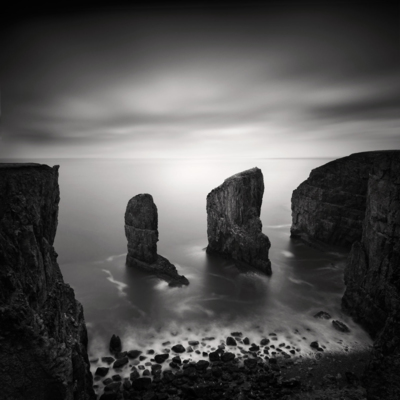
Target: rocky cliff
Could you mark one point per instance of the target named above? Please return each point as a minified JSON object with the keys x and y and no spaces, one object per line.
{"x":372,"y":276}
{"x":141,"y":230}
{"x":329,"y":207}
{"x":234,"y":227}
{"x":43,"y":334}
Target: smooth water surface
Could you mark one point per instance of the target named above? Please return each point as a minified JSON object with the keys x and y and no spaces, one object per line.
{"x":143,"y":310}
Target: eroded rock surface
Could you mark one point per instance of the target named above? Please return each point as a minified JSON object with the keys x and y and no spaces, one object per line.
{"x":234,"y":227}
{"x":372,"y":276}
{"x":141,"y":230}
{"x":43,"y":339}
{"x":329,"y":207}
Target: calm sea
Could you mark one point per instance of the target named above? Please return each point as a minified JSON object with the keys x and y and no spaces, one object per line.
{"x":144,"y":311}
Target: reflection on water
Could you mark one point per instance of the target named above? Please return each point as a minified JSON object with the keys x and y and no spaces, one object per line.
{"x":220,"y":299}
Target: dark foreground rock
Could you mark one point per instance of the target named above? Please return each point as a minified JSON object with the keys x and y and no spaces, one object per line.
{"x":372,"y":277}
{"x":141,"y":230}
{"x":329,"y":207}
{"x":43,"y":334}
{"x":234,"y":227}
{"x":251,"y":378}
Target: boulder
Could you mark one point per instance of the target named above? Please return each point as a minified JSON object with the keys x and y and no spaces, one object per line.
{"x":115,"y":345}
{"x":322,"y":315}
{"x":178,"y":348}
{"x":101,"y":371}
{"x":226,"y":357}
{"x":202,"y":365}
{"x":340,"y":326}
{"x":134,"y":375}
{"x":160,"y":358}
{"x":234,"y":228}
{"x":43,"y":350}
{"x":214,"y":356}
{"x":141,"y":230}
{"x":230,"y":341}
{"x":121,"y":362}
{"x":134,"y":354}
{"x":108,"y":360}
{"x":314,"y":345}
{"x":177,"y":360}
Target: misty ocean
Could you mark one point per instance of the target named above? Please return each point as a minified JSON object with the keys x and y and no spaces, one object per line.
{"x":143,"y":310}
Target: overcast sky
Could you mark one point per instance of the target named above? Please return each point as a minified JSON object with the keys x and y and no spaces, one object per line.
{"x":202,"y":82}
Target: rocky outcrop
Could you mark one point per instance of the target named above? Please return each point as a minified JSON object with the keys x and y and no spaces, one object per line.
{"x":372,"y":276}
{"x":329,"y":207}
{"x":141,"y":230}
{"x":43,"y":334}
{"x":234,"y":227}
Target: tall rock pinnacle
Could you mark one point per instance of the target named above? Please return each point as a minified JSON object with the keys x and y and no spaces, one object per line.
{"x":141,"y":230}
{"x":234,"y":227}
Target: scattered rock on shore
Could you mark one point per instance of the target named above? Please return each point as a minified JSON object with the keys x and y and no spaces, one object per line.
{"x":322,"y":315}
{"x":340,"y":326}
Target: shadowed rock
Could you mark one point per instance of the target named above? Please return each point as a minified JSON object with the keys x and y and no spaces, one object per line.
{"x":115,"y":344}
{"x":43,"y":344}
{"x":329,"y":207}
{"x":141,"y":224}
{"x":322,"y":315}
{"x":372,"y":276}
{"x":234,"y":227}
{"x":355,"y":201}
{"x":340,"y":326}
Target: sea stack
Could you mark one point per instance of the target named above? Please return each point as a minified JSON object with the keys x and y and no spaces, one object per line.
{"x":329,"y":207}
{"x":372,"y":276}
{"x":43,"y":343}
{"x":141,"y":230}
{"x":234,"y":228}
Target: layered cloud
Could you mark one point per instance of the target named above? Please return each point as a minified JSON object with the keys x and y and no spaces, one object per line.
{"x":184,"y":83}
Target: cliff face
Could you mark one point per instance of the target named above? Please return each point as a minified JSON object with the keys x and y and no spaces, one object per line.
{"x":234,"y":227}
{"x":43,"y":334}
{"x":372,"y":276}
{"x":329,"y":207}
{"x":141,"y":230}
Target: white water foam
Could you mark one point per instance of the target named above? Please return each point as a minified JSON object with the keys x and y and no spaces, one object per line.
{"x":120,"y":285}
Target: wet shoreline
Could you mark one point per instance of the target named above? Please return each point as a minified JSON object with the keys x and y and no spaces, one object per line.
{"x":234,"y":361}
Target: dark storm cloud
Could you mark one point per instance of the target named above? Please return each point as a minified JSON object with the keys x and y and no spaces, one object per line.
{"x":159,"y":80}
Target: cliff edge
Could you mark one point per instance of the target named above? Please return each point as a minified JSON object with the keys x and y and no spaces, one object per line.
{"x":355,"y":201}
{"x":234,"y":228}
{"x":43,"y":342}
{"x":372,"y":277}
{"x":329,"y":207}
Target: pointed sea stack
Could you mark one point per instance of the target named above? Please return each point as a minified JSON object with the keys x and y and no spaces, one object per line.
{"x":234,"y":227}
{"x":141,"y":230}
